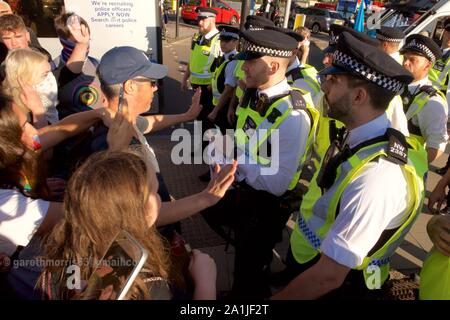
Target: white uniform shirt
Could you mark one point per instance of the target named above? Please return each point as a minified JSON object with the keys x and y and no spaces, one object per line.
{"x":230,"y":78}
{"x":216,"y":51}
{"x":293,"y":135}
{"x":397,"y":57}
{"x":432,"y":119}
{"x":375,"y":201}
{"x":444,"y":51}
{"x":20,"y":217}
{"x":302,"y":84}
{"x":397,"y":117}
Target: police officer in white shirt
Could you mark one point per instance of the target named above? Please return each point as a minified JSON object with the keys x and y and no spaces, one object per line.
{"x":368,"y":188}
{"x":224,"y":80}
{"x":254,"y":208}
{"x":425,"y":106}
{"x":301,"y":76}
{"x":390,"y":39}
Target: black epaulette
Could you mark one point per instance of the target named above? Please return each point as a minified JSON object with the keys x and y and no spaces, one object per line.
{"x":298,"y":102}
{"x":430,"y":90}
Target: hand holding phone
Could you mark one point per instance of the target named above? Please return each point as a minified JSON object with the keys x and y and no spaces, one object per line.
{"x":117,"y":270}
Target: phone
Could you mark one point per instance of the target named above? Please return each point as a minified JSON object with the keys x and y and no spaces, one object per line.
{"x":74,"y":21}
{"x":117,"y":270}
{"x":121,"y":93}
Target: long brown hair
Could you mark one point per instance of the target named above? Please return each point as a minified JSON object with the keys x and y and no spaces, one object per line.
{"x":17,"y":161}
{"x":106,"y":194}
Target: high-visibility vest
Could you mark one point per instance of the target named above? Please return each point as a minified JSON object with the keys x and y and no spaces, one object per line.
{"x":201,"y":58}
{"x":272,"y":119}
{"x":317,"y":217}
{"x":419,"y":101}
{"x":439,"y":74}
{"x":435,"y":277}
{"x":309,"y":75}
{"x":240,"y":75}
{"x":323,"y":137}
{"x":218,"y":81}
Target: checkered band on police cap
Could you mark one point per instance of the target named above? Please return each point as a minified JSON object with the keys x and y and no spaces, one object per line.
{"x":345,"y":61}
{"x":253,"y":47}
{"x":417,"y":46}
{"x":388,"y":39}
{"x":254,"y":28}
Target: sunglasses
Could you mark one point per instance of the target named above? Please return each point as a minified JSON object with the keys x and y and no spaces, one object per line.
{"x":153,"y":83}
{"x":28,"y":120}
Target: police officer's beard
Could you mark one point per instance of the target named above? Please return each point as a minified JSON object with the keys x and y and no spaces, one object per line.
{"x":339,"y":109}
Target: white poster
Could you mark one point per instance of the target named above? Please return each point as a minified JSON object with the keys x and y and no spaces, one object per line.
{"x":119,"y":23}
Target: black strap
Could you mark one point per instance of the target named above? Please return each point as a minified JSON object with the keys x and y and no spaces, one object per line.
{"x":295,"y":73}
{"x":409,"y":98}
{"x":397,"y":149}
{"x":221,"y":78}
{"x":446,"y":56}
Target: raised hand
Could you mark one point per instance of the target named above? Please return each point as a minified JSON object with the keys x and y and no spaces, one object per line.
{"x":196,"y":107}
{"x":78,"y":31}
{"x":30,"y":98}
{"x":121,"y":130}
{"x":221,"y":180}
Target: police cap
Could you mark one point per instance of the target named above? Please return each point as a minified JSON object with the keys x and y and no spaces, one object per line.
{"x":204,"y":12}
{"x":353,"y":56}
{"x":336,"y":30}
{"x":423,"y":46}
{"x":258,"y":43}
{"x":257,"y":23}
{"x":390,"y":34}
{"x":228,"y":32}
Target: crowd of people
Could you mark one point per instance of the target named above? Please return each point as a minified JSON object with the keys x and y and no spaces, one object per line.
{"x":76,"y":168}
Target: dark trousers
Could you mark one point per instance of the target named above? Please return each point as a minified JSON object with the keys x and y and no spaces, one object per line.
{"x":256,"y":221}
{"x":353,"y":288}
{"x":207,"y":107}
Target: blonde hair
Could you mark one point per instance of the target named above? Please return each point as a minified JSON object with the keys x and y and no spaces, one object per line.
{"x":304,"y":31}
{"x":21,"y":63}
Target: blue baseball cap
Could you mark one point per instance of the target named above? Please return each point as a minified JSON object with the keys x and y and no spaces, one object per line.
{"x":123,"y":63}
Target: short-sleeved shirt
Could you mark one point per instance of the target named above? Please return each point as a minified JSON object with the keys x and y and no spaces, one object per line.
{"x":377,"y":199}
{"x":20,"y":217}
{"x":432,"y":119}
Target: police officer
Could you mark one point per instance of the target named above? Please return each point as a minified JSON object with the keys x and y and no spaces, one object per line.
{"x":300,"y":76}
{"x":369,"y":186}
{"x":425,"y":106}
{"x":390,"y":39}
{"x":251,"y":23}
{"x":224,"y":80}
{"x":205,"y":49}
{"x":267,"y":168}
{"x":439,"y":74}
{"x":394,"y":111}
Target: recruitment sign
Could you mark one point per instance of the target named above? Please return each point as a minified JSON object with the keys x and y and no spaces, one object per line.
{"x":120,"y":23}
